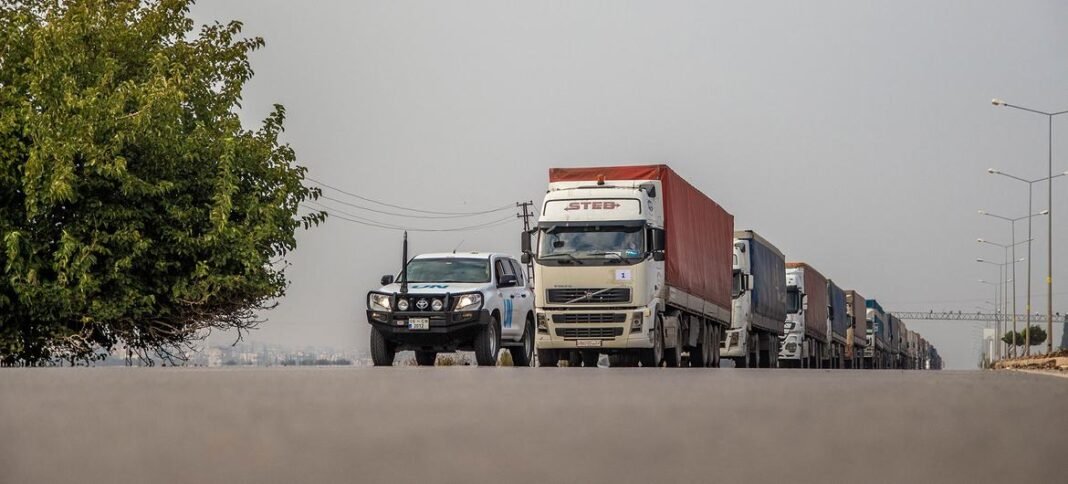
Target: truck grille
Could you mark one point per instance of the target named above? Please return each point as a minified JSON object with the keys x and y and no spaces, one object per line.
{"x":588,"y":296}
{"x":589,"y":332}
{"x":589,"y":318}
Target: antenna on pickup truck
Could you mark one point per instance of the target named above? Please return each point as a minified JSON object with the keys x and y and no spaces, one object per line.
{"x":404,"y":265}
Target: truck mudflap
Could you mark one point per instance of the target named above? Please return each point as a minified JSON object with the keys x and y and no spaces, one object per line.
{"x":444,"y":331}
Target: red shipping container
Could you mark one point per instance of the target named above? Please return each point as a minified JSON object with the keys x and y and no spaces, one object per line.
{"x":699,"y":234}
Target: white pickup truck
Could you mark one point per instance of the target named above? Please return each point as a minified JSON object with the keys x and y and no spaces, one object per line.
{"x":449,"y":302}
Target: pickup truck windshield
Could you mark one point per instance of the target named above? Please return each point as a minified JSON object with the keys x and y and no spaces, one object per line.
{"x":611,"y":243}
{"x":448,"y":270}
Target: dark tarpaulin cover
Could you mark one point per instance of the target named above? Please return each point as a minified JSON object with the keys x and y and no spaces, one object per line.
{"x":839,"y":323}
{"x":769,"y":285}
{"x":815,"y":301}
{"x":699,"y":234}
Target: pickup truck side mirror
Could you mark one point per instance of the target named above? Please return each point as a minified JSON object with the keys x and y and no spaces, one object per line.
{"x":524,"y":242}
{"x":507,"y":280}
{"x":387,"y":279}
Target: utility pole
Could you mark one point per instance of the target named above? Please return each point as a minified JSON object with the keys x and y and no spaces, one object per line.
{"x":526,"y":215}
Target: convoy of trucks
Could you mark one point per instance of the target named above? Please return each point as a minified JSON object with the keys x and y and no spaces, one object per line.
{"x":635,"y":263}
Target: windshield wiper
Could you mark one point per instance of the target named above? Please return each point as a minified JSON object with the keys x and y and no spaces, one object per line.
{"x":568,"y":254}
{"x":621,"y":258}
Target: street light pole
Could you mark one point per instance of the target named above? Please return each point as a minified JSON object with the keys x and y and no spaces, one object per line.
{"x":1013,"y":278}
{"x":1012,"y":222}
{"x":1030,"y":199}
{"x":1049,"y":238}
{"x":1004,"y":272}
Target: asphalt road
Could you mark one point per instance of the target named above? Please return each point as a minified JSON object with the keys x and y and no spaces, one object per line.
{"x":464,"y":424}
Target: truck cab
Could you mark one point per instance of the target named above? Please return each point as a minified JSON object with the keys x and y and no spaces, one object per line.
{"x":449,"y":302}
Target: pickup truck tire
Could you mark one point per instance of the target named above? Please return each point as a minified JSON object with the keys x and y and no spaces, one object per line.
{"x":382,"y":351}
{"x":488,"y":343}
{"x":548,"y":358}
{"x":426,"y":358}
{"x":523,"y":355}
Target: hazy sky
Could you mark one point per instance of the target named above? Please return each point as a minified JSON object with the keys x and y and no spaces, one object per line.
{"x":853,"y":135}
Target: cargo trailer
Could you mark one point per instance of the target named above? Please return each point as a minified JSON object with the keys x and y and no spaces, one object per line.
{"x":759,"y":309}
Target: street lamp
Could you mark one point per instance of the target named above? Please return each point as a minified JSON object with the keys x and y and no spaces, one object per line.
{"x":1003,"y":271}
{"x":1049,"y":241}
{"x":1030,"y":187}
{"x":1012,"y":222}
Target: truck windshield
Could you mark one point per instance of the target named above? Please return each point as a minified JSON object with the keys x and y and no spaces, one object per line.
{"x":793,"y":300}
{"x":613,"y":244}
{"x":448,"y":270}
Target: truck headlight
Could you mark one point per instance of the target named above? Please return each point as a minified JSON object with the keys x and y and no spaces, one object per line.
{"x":379,"y":302}
{"x":636,"y":321}
{"x":543,"y":323}
{"x":468,"y":302}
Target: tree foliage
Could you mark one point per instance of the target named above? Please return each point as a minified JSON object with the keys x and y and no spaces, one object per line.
{"x":134,"y":207}
{"x":1034,"y":336}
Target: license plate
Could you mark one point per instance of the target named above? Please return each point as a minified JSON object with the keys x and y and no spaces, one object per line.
{"x":419,"y":323}
{"x":588,"y":343}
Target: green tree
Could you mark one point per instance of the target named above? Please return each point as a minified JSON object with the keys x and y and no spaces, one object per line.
{"x":1034,"y":335}
{"x":1013,"y":338}
{"x":135,"y":209}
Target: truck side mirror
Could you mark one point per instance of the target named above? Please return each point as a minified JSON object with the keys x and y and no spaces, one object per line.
{"x":658,"y":255}
{"x":657,"y":240}
{"x":749,"y":284}
{"x":507,"y":280}
{"x":524,"y":243}
{"x":525,"y":258}
{"x":387,"y":279}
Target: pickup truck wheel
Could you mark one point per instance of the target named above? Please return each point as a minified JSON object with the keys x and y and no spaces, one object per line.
{"x":548,"y":358}
{"x":426,"y":358}
{"x":382,"y":351}
{"x":488,"y":343}
{"x":524,"y":355}
{"x":652,"y":357}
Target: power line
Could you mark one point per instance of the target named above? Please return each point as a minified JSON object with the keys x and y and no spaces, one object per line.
{"x":399,"y":207}
{"x":333,"y":213}
{"x":395,"y":214}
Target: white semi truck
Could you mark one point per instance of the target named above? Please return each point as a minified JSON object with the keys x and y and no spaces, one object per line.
{"x":633,"y":262}
{"x":759,"y":308}
{"x":805,"y":337}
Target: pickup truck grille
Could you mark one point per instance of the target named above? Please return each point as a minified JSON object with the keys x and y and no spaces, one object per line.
{"x":589,"y":332}
{"x":589,"y":318}
{"x":589,"y":295}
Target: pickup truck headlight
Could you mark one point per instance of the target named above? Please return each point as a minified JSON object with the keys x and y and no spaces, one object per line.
{"x":468,"y":302}
{"x":378,"y":302}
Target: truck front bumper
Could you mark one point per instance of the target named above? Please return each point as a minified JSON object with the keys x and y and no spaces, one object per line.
{"x":790,"y":347}
{"x":448,"y":331}
{"x":594,"y":328}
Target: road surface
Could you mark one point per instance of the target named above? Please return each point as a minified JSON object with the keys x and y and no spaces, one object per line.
{"x":506,"y":425}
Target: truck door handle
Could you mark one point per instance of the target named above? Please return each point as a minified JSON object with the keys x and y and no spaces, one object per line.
{"x":513,"y":296}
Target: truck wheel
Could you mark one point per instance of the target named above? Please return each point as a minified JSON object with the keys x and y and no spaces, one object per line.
{"x":699,"y":356}
{"x":524,"y":355}
{"x":652,"y":357}
{"x":382,"y":351}
{"x":574,"y":359}
{"x":715,"y":347}
{"x":589,"y":358}
{"x":673,"y":356}
{"x":548,"y":358}
{"x":426,"y":358}
{"x":488,"y":343}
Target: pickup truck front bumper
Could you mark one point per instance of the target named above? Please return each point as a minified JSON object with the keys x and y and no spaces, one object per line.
{"x":449,"y":330}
